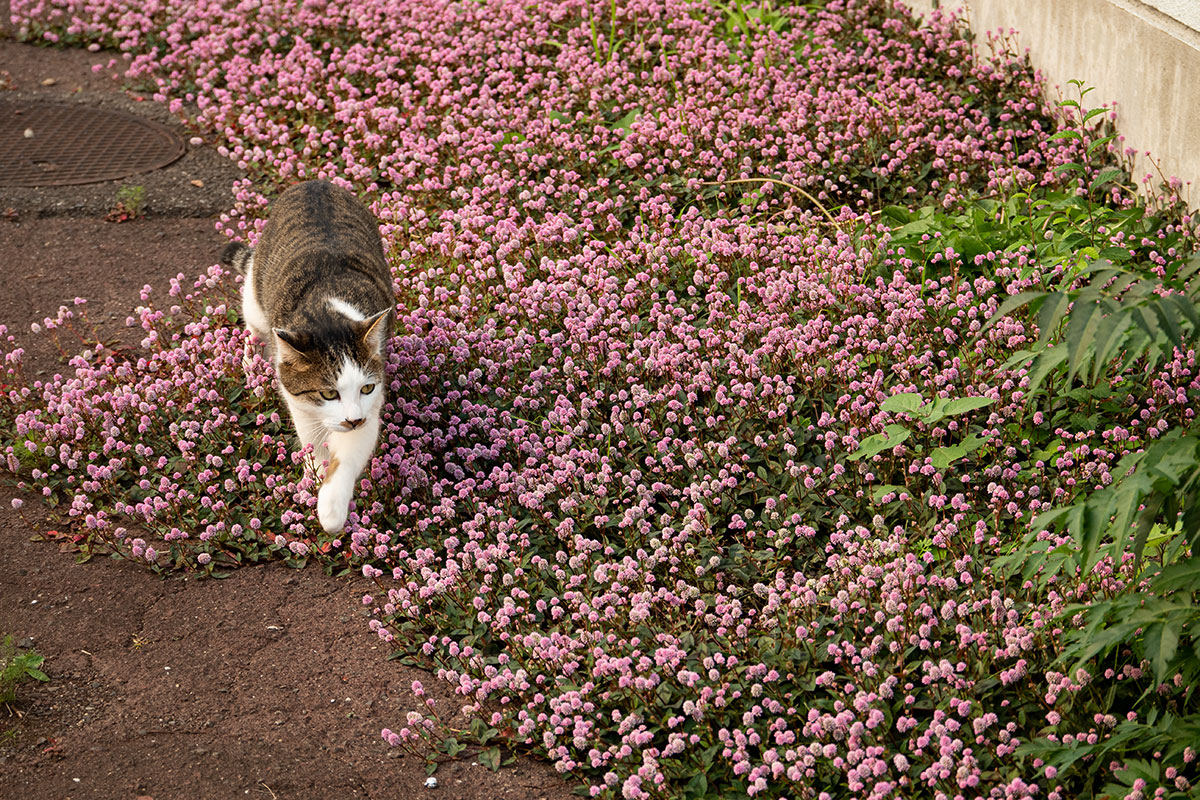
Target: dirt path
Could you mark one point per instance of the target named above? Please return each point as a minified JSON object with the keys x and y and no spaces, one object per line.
{"x":266,"y":684}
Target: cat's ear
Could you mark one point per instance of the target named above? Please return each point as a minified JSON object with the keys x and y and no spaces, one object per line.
{"x":289,"y":345}
{"x":373,"y":331}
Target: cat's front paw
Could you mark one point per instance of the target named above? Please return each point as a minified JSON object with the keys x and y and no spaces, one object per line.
{"x":333,"y":504}
{"x":248,"y":358}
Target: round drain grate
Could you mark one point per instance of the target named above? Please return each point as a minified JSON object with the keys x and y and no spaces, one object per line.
{"x":46,"y":144}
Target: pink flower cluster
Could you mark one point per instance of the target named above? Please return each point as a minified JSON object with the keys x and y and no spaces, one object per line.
{"x":613,"y":488}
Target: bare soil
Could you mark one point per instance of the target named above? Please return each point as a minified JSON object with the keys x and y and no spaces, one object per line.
{"x":266,"y":684}
{"x":197,"y":185}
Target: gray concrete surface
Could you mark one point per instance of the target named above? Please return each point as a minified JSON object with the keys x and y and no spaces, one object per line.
{"x":1142,"y":56}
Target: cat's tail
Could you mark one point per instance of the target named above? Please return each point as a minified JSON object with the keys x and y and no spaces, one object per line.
{"x":237,"y":255}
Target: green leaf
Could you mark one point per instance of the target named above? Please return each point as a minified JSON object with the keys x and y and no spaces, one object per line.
{"x":696,"y":787}
{"x":1051,"y":314}
{"x":451,"y":746}
{"x":907,"y":402}
{"x":1012,"y":304}
{"x":36,"y":673}
{"x":1162,"y":642}
{"x":876,"y":443}
{"x":1145,"y":524}
{"x":942,"y":457}
{"x":879,"y":492}
{"x":1081,"y":330}
{"x":1181,"y":576}
{"x":490,"y":758}
{"x":1098,"y":143}
{"x":1106,"y":176}
{"x":622,"y":125}
{"x":1048,"y":452}
{"x":962,"y":405}
{"x":1043,"y":365}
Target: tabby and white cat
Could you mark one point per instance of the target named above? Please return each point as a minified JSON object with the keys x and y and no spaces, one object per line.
{"x":318,"y":293}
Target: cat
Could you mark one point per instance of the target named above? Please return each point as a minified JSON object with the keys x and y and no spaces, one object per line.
{"x":318,"y":294}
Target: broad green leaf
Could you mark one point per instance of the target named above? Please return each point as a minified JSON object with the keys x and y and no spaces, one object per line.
{"x":962,"y":405}
{"x":942,"y":457}
{"x":1034,"y":299}
{"x":876,"y":443}
{"x":622,"y":125}
{"x":697,"y":786}
{"x":1145,"y":524}
{"x":1107,"y":176}
{"x":879,"y":492}
{"x":908,"y":402}
{"x":1181,"y":576}
{"x":1186,"y":309}
{"x":1098,"y":143}
{"x":1081,"y":330}
{"x":1166,"y":317}
{"x":1162,"y":642}
{"x":1110,"y":338}
{"x":490,"y":758}
{"x":1043,"y":365}
{"x":1051,"y":314}
{"x":1092,"y":522}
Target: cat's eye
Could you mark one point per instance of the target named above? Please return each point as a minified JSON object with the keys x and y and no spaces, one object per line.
{"x":368,"y":388}
{"x":330,"y":395}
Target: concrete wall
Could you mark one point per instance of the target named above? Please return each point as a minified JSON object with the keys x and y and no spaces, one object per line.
{"x":1144,"y":56}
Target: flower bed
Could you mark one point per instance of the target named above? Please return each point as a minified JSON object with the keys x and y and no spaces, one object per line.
{"x":697,"y":460}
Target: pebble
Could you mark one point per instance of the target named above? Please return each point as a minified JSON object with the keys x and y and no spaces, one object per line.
{"x":431,"y":782}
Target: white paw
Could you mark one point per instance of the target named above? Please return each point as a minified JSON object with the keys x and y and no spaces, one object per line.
{"x":248,"y":358}
{"x":333,"y":504}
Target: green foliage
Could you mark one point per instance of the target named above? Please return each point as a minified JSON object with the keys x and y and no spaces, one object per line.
{"x":912,"y":404}
{"x":16,"y":668}
{"x":1116,"y":315}
{"x":131,"y":204}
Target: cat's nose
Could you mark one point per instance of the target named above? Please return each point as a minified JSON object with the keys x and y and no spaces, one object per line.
{"x":351,"y":424}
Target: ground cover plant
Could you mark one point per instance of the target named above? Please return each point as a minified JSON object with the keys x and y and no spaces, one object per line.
{"x":17,"y":668}
{"x":744,"y":400}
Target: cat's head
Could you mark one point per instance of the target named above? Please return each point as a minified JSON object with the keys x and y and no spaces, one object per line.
{"x":335,"y":371}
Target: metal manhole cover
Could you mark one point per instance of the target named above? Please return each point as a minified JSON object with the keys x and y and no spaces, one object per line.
{"x":47,"y":144}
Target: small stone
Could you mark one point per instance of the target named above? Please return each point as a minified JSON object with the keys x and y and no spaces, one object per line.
{"x":198,"y":184}
{"x":29,"y":133}
{"x":49,"y":81}
{"x":431,"y":782}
